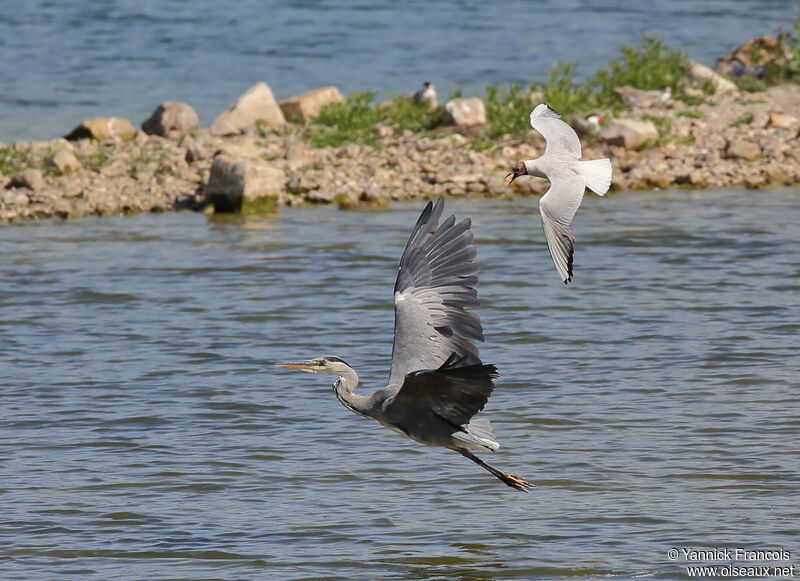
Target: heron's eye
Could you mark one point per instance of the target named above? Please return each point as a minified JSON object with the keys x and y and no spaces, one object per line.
{"x":320,"y":362}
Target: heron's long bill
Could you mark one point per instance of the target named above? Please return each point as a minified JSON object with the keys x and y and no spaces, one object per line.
{"x":303,"y":365}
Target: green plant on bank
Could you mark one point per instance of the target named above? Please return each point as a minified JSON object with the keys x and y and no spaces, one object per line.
{"x":784,"y":70}
{"x":691,"y":114}
{"x":355,"y":119}
{"x":648,"y":65}
{"x":663,"y":124}
{"x":563,"y":94}
{"x":507,"y":109}
{"x":12,"y":161}
{"x":94,"y":161}
{"x":743,"y":120}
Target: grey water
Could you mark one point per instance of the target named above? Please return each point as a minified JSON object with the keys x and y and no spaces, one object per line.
{"x":145,"y":434}
{"x":68,"y":60}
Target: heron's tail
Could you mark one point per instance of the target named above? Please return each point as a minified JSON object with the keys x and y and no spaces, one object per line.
{"x":597,"y":174}
{"x":479,"y":432}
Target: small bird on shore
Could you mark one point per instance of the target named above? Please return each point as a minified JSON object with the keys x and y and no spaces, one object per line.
{"x":588,"y":125}
{"x":644,"y":99}
{"x":437,"y":382}
{"x":427,"y":94}
{"x":568,"y":177}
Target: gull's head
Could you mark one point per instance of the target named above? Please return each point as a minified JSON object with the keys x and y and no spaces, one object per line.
{"x":324,"y":364}
{"x":516,"y":171}
{"x":427,"y":84}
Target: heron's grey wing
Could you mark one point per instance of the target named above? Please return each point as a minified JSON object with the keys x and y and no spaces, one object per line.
{"x":558,"y":207}
{"x":435,"y":287}
{"x":454,"y":393}
{"x":560,"y":137}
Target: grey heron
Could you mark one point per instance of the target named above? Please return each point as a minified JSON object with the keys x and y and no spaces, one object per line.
{"x":437,"y":383}
{"x":568,"y":177}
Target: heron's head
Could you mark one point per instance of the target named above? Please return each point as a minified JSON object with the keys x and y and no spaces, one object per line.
{"x":516,"y":171}
{"x":324,"y":364}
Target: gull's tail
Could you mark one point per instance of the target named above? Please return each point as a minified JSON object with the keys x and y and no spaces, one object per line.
{"x":597,"y":174}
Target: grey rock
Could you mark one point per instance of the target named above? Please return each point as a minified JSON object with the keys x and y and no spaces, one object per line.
{"x":171,"y":119}
{"x":629,"y":133}
{"x":257,"y":104}
{"x":236,"y":183}
{"x":101,"y":128}
{"x":701,"y":74}
{"x":306,"y":106}
{"x":743,"y":150}
{"x":465,"y":112}
{"x":29,"y":178}
{"x":64,"y":160}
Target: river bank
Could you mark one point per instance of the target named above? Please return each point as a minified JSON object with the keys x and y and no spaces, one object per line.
{"x":710,"y":136}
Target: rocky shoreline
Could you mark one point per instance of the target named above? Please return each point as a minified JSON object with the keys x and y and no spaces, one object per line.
{"x":729,"y":139}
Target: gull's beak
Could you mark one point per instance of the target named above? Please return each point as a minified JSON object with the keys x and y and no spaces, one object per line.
{"x":514,"y":174}
{"x":301,"y":365}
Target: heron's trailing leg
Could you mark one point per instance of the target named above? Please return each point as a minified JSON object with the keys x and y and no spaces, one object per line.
{"x":511,"y":480}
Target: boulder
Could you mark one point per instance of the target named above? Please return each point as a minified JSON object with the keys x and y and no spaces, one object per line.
{"x":753,"y":57}
{"x":30,"y":178}
{"x":465,"y":112}
{"x":244,"y":185}
{"x":102,"y":127}
{"x":64,"y":160}
{"x":256,"y":104}
{"x":702,"y":74}
{"x":629,"y":133}
{"x":741,"y":149}
{"x":306,"y":106}
{"x":171,"y":119}
{"x":783,"y":120}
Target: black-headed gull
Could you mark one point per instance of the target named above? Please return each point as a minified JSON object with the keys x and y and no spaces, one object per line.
{"x":568,"y":177}
{"x":426,"y":94}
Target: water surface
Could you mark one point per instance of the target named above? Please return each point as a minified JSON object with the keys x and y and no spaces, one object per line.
{"x":144,"y":433}
{"x":69,"y":60}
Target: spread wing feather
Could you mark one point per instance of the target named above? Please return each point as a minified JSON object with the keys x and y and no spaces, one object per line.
{"x":454,"y":393}
{"x":558,"y":207}
{"x":560,"y":137}
{"x":435,"y":287}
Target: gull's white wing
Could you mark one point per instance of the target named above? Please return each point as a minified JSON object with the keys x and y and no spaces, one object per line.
{"x":560,"y":137}
{"x":435,"y":285}
{"x":558,"y":207}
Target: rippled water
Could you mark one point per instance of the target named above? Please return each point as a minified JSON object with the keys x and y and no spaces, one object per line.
{"x":67,"y":60}
{"x":144,"y":433}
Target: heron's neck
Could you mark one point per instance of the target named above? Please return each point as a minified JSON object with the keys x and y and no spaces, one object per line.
{"x":344,"y":387}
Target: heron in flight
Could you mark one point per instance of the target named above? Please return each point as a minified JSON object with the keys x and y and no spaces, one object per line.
{"x":568,"y":177}
{"x":437,"y":383}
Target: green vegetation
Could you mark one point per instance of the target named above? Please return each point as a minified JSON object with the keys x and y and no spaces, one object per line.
{"x":95,"y":161}
{"x":648,"y":65}
{"x":663,"y":124}
{"x":743,"y":120}
{"x":13,"y":161}
{"x":356,"y":119}
{"x":691,"y":114}
{"x":785,"y":67}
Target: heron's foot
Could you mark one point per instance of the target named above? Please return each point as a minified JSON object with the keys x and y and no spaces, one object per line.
{"x":515,"y":481}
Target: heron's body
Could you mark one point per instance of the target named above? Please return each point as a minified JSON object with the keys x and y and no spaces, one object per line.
{"x":569,"y":177}
{"x":437,"y":383}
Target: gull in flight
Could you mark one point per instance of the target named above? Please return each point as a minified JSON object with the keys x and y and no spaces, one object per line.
{"x":569,"y":177}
